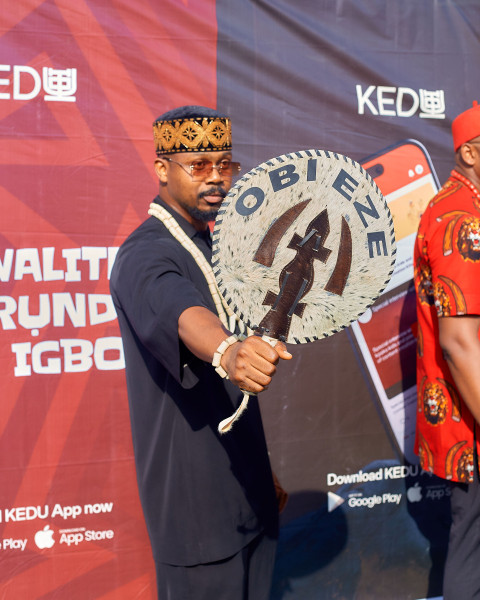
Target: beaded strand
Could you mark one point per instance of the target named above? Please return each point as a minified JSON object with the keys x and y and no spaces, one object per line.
{"x":224,"y":311}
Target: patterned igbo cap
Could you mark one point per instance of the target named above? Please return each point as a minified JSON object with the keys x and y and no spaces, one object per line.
{"x":192,"y":129}
{"x":466,"y":126}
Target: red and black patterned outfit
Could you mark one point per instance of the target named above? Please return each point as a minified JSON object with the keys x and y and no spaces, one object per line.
{"x":447,"y":281}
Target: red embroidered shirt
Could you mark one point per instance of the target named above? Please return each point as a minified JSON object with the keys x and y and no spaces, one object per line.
{"x":447,"y":282}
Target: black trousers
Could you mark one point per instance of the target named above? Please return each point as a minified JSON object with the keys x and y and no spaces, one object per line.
{"x":245,"y":576}
{"x":462,"y":568}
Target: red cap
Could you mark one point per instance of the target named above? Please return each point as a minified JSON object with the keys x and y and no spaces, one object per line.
{"x":466,"y":126}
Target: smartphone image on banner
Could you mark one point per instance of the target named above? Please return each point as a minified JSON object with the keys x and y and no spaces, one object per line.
{"x":386,"y":333}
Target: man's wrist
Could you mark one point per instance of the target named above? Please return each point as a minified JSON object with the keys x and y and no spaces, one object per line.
{"x":219,"y":352}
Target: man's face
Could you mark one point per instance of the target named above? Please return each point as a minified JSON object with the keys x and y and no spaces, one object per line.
{"x":196,"y":197}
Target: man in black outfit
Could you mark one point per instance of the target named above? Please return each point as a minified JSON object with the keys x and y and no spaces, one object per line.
{"x":208,"y":499}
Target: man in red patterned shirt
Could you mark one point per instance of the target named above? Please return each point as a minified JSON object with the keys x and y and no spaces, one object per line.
{"x":447,"y":281}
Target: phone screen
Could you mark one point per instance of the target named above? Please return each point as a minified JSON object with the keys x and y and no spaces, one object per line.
{"x":405,"y":175}
{"x":386,"y":333}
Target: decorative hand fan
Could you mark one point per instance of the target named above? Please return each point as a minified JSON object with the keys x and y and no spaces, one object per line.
{"x":302,"y":245}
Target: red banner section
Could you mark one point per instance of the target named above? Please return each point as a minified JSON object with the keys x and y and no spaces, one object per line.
{"x":80,"y":84}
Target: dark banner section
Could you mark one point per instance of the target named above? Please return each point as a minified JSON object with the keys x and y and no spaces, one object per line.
{"x":379,"y":82}
{"x":347,"y":76}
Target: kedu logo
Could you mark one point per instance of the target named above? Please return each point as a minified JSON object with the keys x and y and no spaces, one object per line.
{"x":389,"y":101}
{"x":25,"y":83}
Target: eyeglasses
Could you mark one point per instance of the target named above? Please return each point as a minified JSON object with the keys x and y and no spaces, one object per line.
{"x":200,"y":169}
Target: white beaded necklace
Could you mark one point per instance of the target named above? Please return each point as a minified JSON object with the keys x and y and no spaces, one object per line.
{"x":224,"y":311}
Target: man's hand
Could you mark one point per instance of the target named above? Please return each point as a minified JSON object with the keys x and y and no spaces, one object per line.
{"x":251,"y":364}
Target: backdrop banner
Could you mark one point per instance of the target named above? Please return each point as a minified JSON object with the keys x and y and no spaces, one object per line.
{"x":80,"y":84}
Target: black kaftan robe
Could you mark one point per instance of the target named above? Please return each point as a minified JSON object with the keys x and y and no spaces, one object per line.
{"x":204,"y":495}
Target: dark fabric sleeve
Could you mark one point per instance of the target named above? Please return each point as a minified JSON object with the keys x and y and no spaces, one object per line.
{"x":150,"y":287}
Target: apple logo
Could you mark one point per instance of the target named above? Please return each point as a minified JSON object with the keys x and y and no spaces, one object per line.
{"x":44,"y":538}
{"x":414,"y":494}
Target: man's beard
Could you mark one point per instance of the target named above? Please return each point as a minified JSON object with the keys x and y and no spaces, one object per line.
{"x":204,"y":216}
